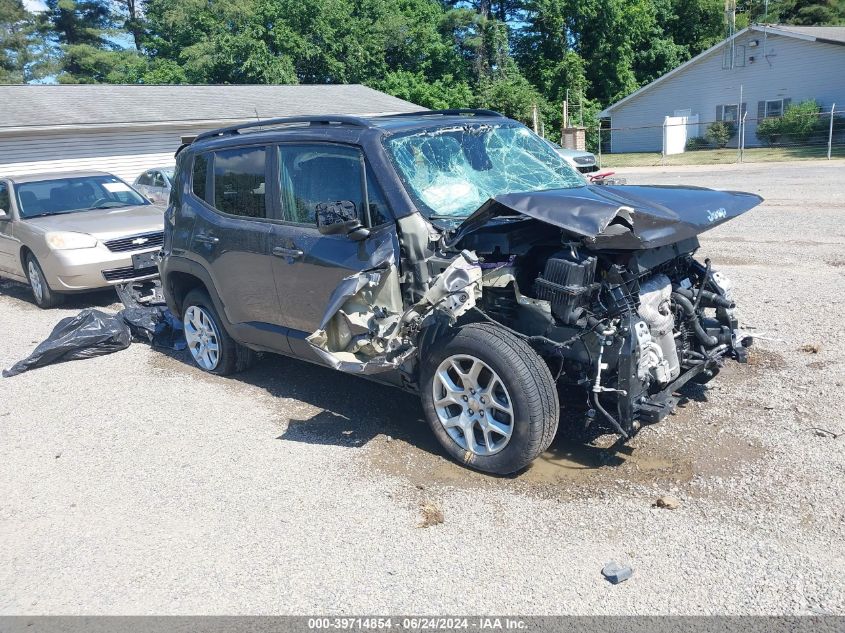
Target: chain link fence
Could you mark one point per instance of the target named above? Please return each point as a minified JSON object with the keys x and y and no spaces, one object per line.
{"x":799,"y":134}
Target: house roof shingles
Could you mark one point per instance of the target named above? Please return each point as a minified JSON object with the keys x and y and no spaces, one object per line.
{"x":108,"y":104}
{"x":823,"y":33}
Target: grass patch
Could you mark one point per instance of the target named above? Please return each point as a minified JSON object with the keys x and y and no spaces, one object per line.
{"x":721,"y":156}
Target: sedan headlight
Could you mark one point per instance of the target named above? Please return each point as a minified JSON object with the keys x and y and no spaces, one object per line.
{"x":66,"y":240}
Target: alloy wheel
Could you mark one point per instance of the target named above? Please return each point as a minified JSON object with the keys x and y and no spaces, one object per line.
{"x":202,"y":337}
{"x":35,"y":280}
{"x":473,"y":404}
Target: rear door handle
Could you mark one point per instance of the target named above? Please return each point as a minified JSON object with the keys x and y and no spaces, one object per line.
{"x":294,"y":253}
{"x":207,"y":239}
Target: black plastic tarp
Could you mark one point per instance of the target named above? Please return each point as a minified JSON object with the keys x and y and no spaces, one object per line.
{"x":90,"y":333}
{"x":96,"y":333}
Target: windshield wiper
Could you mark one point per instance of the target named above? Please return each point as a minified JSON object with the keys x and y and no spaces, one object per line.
{"x":109,"y":205}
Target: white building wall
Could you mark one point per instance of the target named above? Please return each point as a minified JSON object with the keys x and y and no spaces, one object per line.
{"x":789,"y":68}
{"x":124,"y":153}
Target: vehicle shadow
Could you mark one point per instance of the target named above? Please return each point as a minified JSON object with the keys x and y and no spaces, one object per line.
{"x":352,"y":410}
{"x":96,"y":299}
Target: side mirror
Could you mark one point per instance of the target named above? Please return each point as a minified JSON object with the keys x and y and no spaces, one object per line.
{"x":340,"y":218}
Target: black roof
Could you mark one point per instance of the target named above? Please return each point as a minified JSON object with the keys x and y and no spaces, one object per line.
{"x":388,"y":123}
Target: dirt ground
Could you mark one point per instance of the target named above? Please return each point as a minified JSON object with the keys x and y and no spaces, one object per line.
{"x":135,"y":483}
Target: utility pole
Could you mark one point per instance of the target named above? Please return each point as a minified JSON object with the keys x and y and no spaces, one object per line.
{"x":830,"y":132}
{"x":740,"y":121}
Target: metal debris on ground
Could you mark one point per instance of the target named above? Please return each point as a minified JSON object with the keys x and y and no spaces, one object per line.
{"x":668,"y":502}
{"x":430,"y":515}
{"x":616,"y":573}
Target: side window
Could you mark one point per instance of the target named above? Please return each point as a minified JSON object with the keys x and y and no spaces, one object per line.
{"x":198,"y":176}
{"x":378,"y":204}
{"x":158,"y":179}
{"x":311,"y":174}
{"x":144,"y":178}
{"x":239,"y":181}
{"x":4,"y":198}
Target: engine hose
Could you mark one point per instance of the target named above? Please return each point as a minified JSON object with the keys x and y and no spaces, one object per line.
{"x":609,"y":417}
{"x":704,"y":281}
{"x":698,"y":330}
{"x":709,"y":299}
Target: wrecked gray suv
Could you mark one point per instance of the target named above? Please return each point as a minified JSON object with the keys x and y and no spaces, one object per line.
{"x":456,"y":255}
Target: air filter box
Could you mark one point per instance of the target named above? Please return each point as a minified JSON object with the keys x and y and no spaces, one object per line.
{"x":568,"y":286}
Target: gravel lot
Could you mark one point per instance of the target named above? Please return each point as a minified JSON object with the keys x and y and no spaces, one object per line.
{"x":133,"y":483}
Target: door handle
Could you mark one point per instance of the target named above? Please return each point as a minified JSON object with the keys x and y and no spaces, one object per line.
{"x":293,"y":253}
{"x":207,"y":239}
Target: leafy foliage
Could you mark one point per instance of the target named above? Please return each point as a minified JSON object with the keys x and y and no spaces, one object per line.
{"x":17,"y":42}
{"x":719,"y":133}
{"x":697,"y":142}
{"x":799,"y":124}
{"x":510,"y":55}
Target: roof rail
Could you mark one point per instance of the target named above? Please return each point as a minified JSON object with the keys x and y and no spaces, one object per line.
{"x":453,"y":112}
{"x":325,"y":119}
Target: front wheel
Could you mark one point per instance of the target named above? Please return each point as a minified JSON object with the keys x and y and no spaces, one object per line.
{"x":489,"y":399}
{"x":44,"y":297}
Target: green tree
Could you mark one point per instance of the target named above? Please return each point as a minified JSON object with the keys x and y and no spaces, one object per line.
{"x":18,"y":43}
{"x":79,"y":31}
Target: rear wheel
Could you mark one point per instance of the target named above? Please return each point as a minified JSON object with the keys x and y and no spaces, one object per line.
{"x":44,"y":297}
{"x":211,"y":347}
{"x":489,"y":399}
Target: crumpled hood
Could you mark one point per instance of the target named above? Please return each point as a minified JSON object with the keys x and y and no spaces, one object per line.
{"x":625,"y":217}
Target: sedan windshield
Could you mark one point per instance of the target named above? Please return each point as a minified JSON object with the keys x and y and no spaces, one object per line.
{"x":71,"y":195}
{"x":452,"y":171}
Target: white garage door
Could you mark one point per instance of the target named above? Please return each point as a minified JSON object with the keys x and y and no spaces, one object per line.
{"x":124,"y":153}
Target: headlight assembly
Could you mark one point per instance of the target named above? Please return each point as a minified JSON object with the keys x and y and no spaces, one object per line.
{"x":66,"y":240}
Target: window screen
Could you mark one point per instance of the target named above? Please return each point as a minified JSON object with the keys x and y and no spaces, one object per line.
{"x":311,"y":174}
{"x":774,"y":108}
{"x":200,"y":170}
{"x":239,"y":181}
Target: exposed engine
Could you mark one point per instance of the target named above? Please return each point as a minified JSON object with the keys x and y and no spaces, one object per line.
{"x":629,"y":329}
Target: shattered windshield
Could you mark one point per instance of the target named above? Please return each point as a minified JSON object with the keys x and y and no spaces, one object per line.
{"x":452,"y":171}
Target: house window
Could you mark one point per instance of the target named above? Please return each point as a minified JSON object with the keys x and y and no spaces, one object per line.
{"x":774,"y":108}
{"x":730,"y":114}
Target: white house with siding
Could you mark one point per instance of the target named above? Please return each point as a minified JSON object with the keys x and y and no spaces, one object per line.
{"x":127,"y":129}
{"x":770,"y":66}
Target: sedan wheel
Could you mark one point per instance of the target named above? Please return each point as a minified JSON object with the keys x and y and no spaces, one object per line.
{"x":35,"y":281}
{"x":472,"y":404}
{"x":202,"y":337}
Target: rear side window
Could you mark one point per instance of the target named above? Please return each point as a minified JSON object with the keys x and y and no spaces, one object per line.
{"x":239,"y":181}
{"x":200,"y":171}
{"x":4,"y":198}
{"x":144,"y":179}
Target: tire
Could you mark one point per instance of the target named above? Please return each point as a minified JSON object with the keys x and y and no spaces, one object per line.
{"x":525,"y":388}
{"x":210,"y":346}
{"x":44,"y":297}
